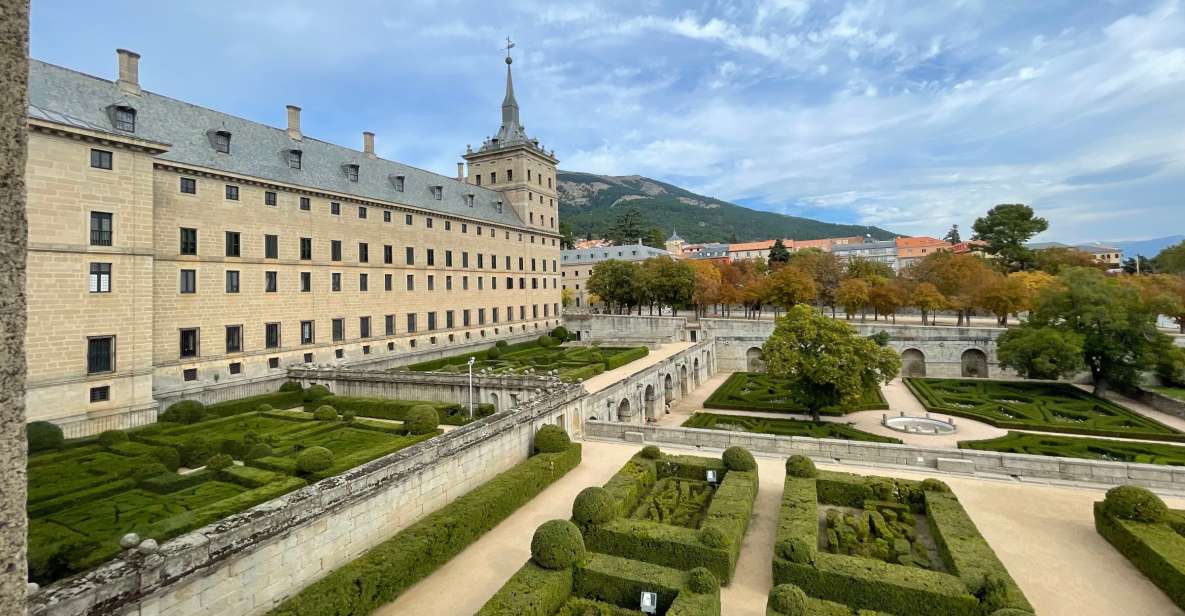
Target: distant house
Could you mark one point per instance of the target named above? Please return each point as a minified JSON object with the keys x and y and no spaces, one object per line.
{"x":714,"y":252}
{"x":576,"y":265}
{"x":880,"y":251}
{"x":1110,"y":256}
{"x":910,"y":250}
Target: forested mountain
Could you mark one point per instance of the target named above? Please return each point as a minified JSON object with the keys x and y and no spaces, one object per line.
{"x":590,"y":204}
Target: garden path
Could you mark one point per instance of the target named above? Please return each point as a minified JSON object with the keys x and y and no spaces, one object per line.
{"x":609,"y":378}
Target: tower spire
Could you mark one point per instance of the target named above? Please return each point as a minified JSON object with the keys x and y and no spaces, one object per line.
{"x":509,"y":105}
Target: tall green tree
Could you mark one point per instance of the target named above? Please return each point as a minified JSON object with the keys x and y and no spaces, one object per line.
{"x":1007,"y":228}
{"x":614,"y":281}
{"x":1040,"y":352}
{"x":567,"y":236}
{"x":654,"y":238}
{"x":1172,"y":259}
{"x":671,"y":282}
{"x":627,"y":229}
{"x":825,"y":361}
{"x":952,"y":236}
{"x":778,"y":254}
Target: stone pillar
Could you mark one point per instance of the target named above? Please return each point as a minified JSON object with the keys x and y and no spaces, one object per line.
{"x":14,"y":74}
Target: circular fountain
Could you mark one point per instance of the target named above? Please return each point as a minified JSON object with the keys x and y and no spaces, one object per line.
{"x":919,"y":425}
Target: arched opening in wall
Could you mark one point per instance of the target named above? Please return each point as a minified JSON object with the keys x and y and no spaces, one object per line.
{"x":683,"y":380}
{"x":652,"y":410}
{"x":913,"y":363}
{"x":975,"y":364}
{"x":754,"y":360}
{"x":623,"y":410}
{"x":494,"y":401}
{"x":695,"y":375}
{"x":668,"y":385}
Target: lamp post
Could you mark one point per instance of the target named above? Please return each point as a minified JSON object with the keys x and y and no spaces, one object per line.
{"x":471,"y":361}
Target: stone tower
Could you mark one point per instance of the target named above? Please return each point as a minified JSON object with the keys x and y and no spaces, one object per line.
{"x":516,"y":165}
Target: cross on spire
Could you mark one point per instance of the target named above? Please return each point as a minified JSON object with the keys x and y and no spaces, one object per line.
{"x":509,"y":46}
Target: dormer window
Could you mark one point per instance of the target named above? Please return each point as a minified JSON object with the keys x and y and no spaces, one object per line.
{"x":294,"y":159}
{"x":498,"y":206}
{"x":469,"y":200}
{"x":351,"y":172}
{"x":125,"y":119}
{"x":438,"y":192}
{"x":397,"y":182}
{"x":220,"y":139}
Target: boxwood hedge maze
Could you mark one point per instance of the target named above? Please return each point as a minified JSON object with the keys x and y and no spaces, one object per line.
{"x":83,"y":496}
{"x":1082,"y":447}
{"x":1044,"y":406}
{"x":783,"y":427}
{"x":758,"y":391}
{"x":538,"y":356}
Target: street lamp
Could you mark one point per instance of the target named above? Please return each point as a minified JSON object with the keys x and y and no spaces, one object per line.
{"x":471,"y":362}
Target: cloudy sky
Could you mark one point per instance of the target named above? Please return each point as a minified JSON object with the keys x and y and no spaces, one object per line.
{"x":905,"y":114}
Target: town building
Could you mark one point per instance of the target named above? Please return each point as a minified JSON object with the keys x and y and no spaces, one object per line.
{"x":713,"y":251}
{"x":675,"y":244}
{"x":1110,"y":256}
{"x":174,"y":248}
{"x":749,"y":251}
{"x":576,"y":265}
{"x":880,"y":251}
{"x":910,"y":250}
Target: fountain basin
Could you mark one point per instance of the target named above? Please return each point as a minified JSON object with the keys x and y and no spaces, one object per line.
{"x":919,"y":425}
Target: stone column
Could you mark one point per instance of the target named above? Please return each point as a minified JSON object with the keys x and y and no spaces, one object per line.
{"x":14,"y":75}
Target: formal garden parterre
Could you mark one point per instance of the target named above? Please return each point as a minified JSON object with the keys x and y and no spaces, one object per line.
{"x":783,"y":427}
{"x":759,"y":391}
{"x":542,"y":355}
{"x":1042,"y":406}
{"x":1149,"y":534}
{"x":1082,"y":447}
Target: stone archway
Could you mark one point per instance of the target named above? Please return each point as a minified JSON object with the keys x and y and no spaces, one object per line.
{"x":651,"y":398}
{"x":623,"y":410}
{"x":754,"y":360}
{"x":683,"y":383}
{"x":494,"y":401}
{"x":696,"y":378}
{"x":668,"y":386}
{"x":913,"y":363}
{"x":975,"y":364}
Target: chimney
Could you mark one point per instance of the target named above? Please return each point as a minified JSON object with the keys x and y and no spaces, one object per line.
{"x":368,"y":144}
{"x":461,"y":171}
{"x":129,"y":71}
{"x":294,"y":122}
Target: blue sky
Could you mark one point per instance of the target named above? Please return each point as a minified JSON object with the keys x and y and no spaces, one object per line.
{"x":905,"y":114}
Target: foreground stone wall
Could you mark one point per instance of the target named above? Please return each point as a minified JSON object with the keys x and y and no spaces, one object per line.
{"x":644,"y":393}
{"x":619,"y":328}
{"x":1020,"y":466}
{"x":247,"y":563}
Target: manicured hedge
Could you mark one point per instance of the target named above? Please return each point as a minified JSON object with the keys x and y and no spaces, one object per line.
{"x":435,"y":364}
{"x":770,"y":394}
{"x":1156,"y":549}
{"x":967,"y":552}
{"x":279,"y":400}
{"x":784,"y":427}
{"x":620,"y":359}
{"x":384,"y":572}
{"x":451,"y":414}
{"x":1082,"y":447}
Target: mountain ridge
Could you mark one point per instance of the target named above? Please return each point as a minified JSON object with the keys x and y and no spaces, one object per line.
{"x":590,"y":203}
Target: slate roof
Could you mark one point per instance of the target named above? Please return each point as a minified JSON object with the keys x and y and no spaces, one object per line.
{"x":65,"y":96}
{"x":631,"y":252}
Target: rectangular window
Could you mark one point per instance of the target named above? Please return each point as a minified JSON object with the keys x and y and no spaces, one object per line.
{"x":464,"y":283}
{"x":306,"y":282}
{"x":125,"y":119}
{"x":271,"y":335}
{"x":232,"y":192}
{"x":493,"y":177}
{"x":189,"y":343}
{"x":411,"y":282}
{"x":100,"y":354}
{"x":335,"y":250}
{"x":448,"y":283}
{"x":364,"y":327}
{"x":388,"y":282}
{"x":388,"y":254}
{"x":389,"y":324}
{"x":189,"y":374}
{"x":188,"y":281}
{"x":352,"y":173}
{"x":189,"y":186}
{"x":481,"y":316}
{"x":363,"y":252}
{"x":409,"y":256}
{"x":100,"y":229}
{"x":494,"y":314}
{"x":465,"y":318}
{"x":480,"y":260}
{"x":273,"y":363}
{"x":100,"y":159}
{"x":361,"y":212}
{"x":411,"y":322}
{"x":407,"y":219}
{"x":335,"y":208}
{"x":438,"y":192}
{"x":307,"y":332}
{"x":188,"y":241}
{"x":431,"y":321}
{"x":448,"y":258}
{"x":428,"y":222}
{"x":431,"y":257}
{"x":397,"y":181}
{"x":386,"y":215}
{"x":271,"y":247}
{"x":306,"y":248}
{"x":478,"y":179}
{"x":335,"y":281}
{"x":234,"y":338}
{"x":363,"y":282}
{"x":339,"y":330}
{"x":101,"y":394}
{"x":270,"y":282}
{"x":465,"y":260}
{"x":100,"y":278}
{"x":233,"y":245}
{"x":448,"y":320}
{"x":232,"y":281}
{"x":305,"y":204}
{"x":431,"y":282}
{"x":235,"y":367}
{"x":294,"y":159}
{"x":269,"y":197}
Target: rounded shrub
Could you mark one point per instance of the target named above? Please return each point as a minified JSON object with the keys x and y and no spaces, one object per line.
{"x":348,"y":416}
{"x":109,"y":438}
{"x":150,"y":468}
{"x":561,"y":333}
{"x":194,"y":451}
{"x":801,"y":466}
{"x":788,"y":599}
{"x":291,"y":386}
{"x":325,"y":413}
{"x":1134,"y":503}
{"x":712,"y":537}
{"x":557,"y":544}
{"x":316,"y":392}
{"x":421,"y":419}
{"x":265,"y":407}
{"x":593,"y":505}
{"x":551,"y":439}
{"x":651,"y":452}
{"x":501,"y":344}
{"x":739,"y":459}
{"x":43,"y":436}
{"x":219,"y":461}
{"x":233,"y":448}
{"x":934,"y":485}
{"x":184,"y":412}
{"x":546,"y":341}
{"x":795,"y":551}
{"x":168,"y":456}
{"x":700,"y":580}
{"x":314,"y":460}
{"x":257,"y":451}
{"x":494,"y":353}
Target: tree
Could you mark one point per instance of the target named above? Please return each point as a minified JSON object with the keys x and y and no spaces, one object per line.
{"x":567,"y":236}
{"x":654,"y":238}
{"x":1163,"y":293}
{"x":1054,"y":260}
{"x":1172,"y":259}
{"x":778,"y":255}
{"x":1003,"y":295}
{"x":824,"y":361}
{"x":867,"y":269}
{"x":790,"y":286}
{"x":927,"y":298}
{"x":952,"y":236}
{"x":1040,"y":352}
{"x":886,"y":296}
{"x":671,"y":282}
{"x":612,"y":281}
{"x":958,"y":277}
{"x":1139,"y":264}
{"x":627,"y":229}
{"x":566,"y":297}
{"x":852,"y":295}
{"x":707,"y":284}
{"x":825,"y":269}
{"x":1007,"y":228}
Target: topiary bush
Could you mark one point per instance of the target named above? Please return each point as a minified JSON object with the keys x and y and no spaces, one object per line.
{"x":290,"y":386}
{"x":561,"y":333}
{"x":501,"y":344}
{"x":546,"y":341}
{"x":551,"y":439}
{"x":594,"y":505}
{"x":712,"y":537}
{"x":557,"y":544}
{"x":934,"y":485}
{"x":739,"y":459}
{"x":421,"y":419}
{"x":316,"y":392}
{"x":168,"y":456}
{"x":348,"y":416}
{"x":314,"y":460}
{"x":109,"y":438}
{"x":219,"y":461}
{"x":150,"y":468}
{"x":194,"y":451}
{"x":263,"y":408}
{"x":788,"y":600}
{"x":494,"y":353}
{"x":700,"y":580}
{"x":43,"y":436}
{"x":258,"y":450}
{"x":325,"y":413}
{"x":1134,"y":503}
{"x":651,"y":452}
{"x":184,"y":412}
{"x":233,"y":447}
{"x":801,"y":466}
{"x":795,"y":551}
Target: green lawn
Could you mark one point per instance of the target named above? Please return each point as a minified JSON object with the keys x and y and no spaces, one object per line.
{"x":1172,"y":392}
{"x":1082,"y":447}
{"x":1044,"y":406}
{"x":758,"y":391}
{"x":577,"y":363}
{"x":783,"y":427}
